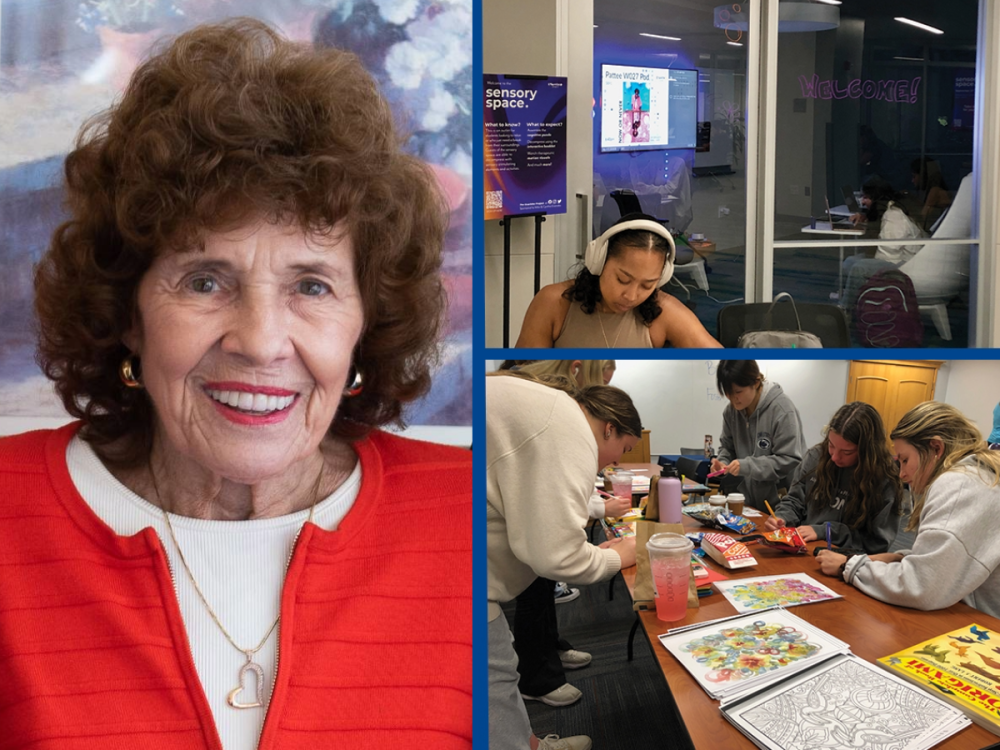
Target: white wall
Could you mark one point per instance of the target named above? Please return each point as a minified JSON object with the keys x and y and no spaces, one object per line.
{"x":973,"y":387}
{"x":519,"y":38}
{"x":555,"y":38}
{"x":679,"y":402}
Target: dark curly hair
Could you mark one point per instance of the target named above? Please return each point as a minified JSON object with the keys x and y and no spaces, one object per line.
{"x":858,"y":423}
{"x":586,"y":288}
{"x":228,"y":124}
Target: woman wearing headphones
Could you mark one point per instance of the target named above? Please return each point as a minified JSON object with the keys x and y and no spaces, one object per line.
{"x":615,"y":301}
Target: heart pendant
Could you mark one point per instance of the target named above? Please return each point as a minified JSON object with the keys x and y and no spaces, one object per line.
{"x":256,"y":669}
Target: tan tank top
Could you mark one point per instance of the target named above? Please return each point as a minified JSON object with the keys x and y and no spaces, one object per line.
{"x":620,"y":330}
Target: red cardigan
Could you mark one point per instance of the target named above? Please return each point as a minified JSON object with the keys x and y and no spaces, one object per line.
{"x":375,"y":644}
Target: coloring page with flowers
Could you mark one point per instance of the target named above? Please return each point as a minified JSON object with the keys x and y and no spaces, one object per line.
{"x":732,"y":657}
{"x":789,"y":590}
{"x":64,"y":61}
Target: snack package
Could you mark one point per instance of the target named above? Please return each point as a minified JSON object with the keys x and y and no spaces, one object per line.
{"x":713,"y":518}
{"x":727,"y":551}
{"x":786,"y":539}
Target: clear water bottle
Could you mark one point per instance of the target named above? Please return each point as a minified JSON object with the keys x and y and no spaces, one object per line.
{"x":709,"y":450}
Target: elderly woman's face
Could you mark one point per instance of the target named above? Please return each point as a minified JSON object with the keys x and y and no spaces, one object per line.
{"x":246,"y":347}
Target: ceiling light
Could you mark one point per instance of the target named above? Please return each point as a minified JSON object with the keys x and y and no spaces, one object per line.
{"x":660,"y":36}
{"x":919,"y":25}
{"x":830,"y":2}
{"x":915,"y":59}
{"x":735,"y":44}
{"x":791,"y":17}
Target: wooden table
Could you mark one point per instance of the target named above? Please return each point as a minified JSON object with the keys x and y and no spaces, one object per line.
{"x":690,"y":486}
{"x":872,"y":629}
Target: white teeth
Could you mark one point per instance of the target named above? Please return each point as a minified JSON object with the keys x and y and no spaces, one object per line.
{"x":256,"y":402}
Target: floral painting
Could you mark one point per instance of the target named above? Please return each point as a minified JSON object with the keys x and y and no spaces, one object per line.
{"x":62,"y":61}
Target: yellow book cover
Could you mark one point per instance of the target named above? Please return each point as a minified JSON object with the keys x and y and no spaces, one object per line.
{"x":961,"y":667}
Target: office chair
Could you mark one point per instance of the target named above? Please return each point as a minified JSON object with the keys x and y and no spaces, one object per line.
{"x":940,"y":273}
{"x":826,"y":321}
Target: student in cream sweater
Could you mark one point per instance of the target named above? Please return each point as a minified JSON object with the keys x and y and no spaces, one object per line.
{"x":544,"y":445}
{"x":955,"y":480}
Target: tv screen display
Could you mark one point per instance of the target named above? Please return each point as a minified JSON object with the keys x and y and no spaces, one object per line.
{"x":648,"y":108}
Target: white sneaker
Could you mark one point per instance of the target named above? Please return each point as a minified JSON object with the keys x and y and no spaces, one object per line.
{"x":573,"y":659}
{"x":566,"y":695}
{"x":554,"y":742}
{"x":564,"y":593}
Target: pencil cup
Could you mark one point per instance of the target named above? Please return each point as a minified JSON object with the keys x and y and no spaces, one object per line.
{"x":670,"y":564}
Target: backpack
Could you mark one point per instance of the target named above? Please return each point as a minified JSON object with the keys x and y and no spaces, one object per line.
{"x":886,"y":313}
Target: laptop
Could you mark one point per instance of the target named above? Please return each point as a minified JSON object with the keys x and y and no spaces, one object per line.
{"x":842,"y":225}
{"x":849,"y":200}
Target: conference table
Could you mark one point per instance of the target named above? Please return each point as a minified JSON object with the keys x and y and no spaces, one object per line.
{"x":872,"y":629}
{"x":688,"y":487}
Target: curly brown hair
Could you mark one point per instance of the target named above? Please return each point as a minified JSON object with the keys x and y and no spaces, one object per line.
{"x":228,"y":124}
{"x":858,"y":423}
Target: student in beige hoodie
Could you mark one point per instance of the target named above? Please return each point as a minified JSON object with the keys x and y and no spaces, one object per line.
{"x":955,"y":480}
{"x":545,"y":442}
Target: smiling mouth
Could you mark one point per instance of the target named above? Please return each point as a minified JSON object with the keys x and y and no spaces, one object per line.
{"x":251,"y":403}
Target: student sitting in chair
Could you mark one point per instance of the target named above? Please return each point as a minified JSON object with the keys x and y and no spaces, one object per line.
{"x":955,"y":481}
{"x":849,"y":481}
{"x":615,"y":301}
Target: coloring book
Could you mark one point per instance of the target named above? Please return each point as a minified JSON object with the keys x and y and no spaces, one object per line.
{"x":961,"y":666}
{"x":739,"y":653}
{"x":843,"y":702}
{"x":748,"y":594}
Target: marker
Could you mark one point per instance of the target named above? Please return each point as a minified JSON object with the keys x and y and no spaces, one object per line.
{"x":715,"y":473}
{"x":828,"y":535}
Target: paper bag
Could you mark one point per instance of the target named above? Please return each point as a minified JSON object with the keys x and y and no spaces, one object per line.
{"x":642,"y":599}
{"x":653,"y":507}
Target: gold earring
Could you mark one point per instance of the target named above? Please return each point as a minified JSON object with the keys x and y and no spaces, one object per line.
{"x":129,"y":374}
{"x":356,"y":386}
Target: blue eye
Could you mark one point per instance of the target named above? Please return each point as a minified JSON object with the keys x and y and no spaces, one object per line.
{"x":312,"y":288}
{"x":203,"y":284}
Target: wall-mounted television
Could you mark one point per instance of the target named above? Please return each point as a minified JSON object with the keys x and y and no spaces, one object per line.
{"x":648,"y":108}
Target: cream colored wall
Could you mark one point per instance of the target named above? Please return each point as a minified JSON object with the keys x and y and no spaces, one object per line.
{"x":519,"y":37}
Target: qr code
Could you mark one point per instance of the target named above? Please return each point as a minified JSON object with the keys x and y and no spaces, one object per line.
{"x":494,"y":199}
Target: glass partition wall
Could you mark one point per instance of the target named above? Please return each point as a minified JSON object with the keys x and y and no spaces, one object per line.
{"x":857,"y":157}
{"x":670,"y":97}
{"x":874,"y":138}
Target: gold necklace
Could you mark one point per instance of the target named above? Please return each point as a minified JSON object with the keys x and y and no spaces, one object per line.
{"x":251,"y":665}
{"x":605,"y":335}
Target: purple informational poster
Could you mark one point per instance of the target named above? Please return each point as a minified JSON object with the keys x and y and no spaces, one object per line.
{"x":524,"y":145}
{"x":964,"y":110}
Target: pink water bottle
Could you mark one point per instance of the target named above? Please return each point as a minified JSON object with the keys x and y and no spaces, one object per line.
{"x":668,"y":489}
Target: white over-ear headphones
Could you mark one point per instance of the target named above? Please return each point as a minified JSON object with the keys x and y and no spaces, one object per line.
{"x":597,"y":250}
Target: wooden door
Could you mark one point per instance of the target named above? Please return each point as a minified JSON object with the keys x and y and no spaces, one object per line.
{"x":640,"y":453}
{"x":892,"y":387}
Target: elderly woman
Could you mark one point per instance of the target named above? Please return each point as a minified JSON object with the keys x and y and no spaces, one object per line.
{"x":247,"y":286}
{"x":615,"y":300}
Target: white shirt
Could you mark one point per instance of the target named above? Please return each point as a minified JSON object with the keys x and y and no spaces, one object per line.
{"x":240,"y":567}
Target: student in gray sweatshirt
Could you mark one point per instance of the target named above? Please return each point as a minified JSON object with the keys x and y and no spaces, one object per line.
{"x":955,"y":480}
{"x":762,"y":440}
{"x":850,"y":481}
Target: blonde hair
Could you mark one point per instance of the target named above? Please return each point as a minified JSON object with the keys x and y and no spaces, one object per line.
{"x":605,"y":402}
{"x":961,"y":439}
{"x":591,"y":370}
